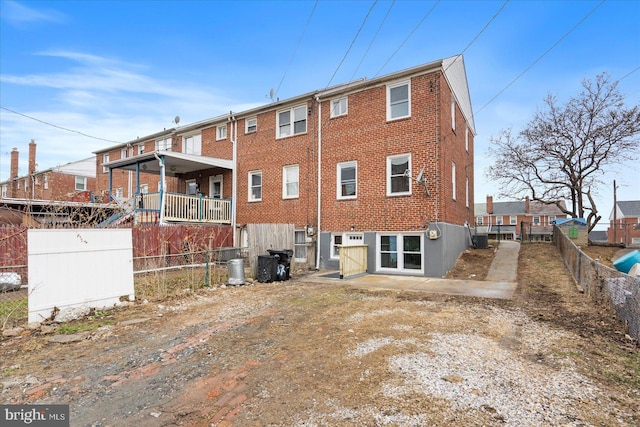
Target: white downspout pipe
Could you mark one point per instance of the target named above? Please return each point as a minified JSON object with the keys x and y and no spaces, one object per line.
{"x":234,"y":179}
{"x":162,"y":189}
{"x":319,"y":181}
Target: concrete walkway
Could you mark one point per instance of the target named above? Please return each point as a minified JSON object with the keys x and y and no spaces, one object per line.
{"x":500,"y":282}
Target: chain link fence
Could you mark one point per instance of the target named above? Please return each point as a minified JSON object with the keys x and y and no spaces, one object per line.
{"x":603,"y":284}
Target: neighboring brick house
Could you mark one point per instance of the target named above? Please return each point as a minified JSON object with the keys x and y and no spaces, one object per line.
{"x":624,"y":223}
{"x":73,"y":181}
{"x":504,"y":220}
{"x":394,"y":156}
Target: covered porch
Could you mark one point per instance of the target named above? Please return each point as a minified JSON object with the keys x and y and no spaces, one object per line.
{"x":192,"y":206}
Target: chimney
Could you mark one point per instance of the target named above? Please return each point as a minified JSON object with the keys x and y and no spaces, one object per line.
{"x":527,"y":204}
{"x":490,"y":205}
{"x":32,"y":157}
{"x":14,"y":163}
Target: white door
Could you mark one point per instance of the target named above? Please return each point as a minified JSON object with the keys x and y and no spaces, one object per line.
{"x":215,"y":187}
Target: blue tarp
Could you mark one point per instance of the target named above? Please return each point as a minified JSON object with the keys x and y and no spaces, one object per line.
{"x":626,"y":261}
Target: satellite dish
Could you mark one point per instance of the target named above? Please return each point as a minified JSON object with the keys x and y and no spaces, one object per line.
{"x":420,"y":175}
{"x":176,"y":120}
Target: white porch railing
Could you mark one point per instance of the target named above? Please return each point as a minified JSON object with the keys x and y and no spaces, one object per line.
{"x":184,"y":208}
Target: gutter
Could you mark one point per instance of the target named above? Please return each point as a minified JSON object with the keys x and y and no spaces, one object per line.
{"x":318,"y":228}
{"x":162,"y":178}
{"x":234,"y":174}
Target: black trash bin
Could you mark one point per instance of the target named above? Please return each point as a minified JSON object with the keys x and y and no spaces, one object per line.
{"x":284,"y":262}
{"x":267,"y":268}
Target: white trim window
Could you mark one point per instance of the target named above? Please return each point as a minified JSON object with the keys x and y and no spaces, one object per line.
{"x":290,"y":182}
{"x":4,"y":191}
{"x":292,"y":121}
{"x":46,"y":181}
{"x":536,"y":220}
{"x":453,"y":180}
{"x":105,"y":159}
{"x":552,"y":219}
{"x":400,"y":252}
{"x":119,"y":193}
{"x":163,"y":144}
{"x":398,"y":170}
{"x":466,"y":139}
{"x":255,"y":186}
{"x":140,"y":149}
{"x":300,"y":245}
{"x":479,"y":220}
{"x":250,"y":125}
{"x":144,"y":188}
{"x":81,"y":183}
{"x":221,"y":132}
{"x":513,"y":220}
{"x":399,"y":100}
{"x":215,"y":187}
{"x":499,"y":220}
{"x":466,"y":192}
{"x":124,"y":153}
{"x":339,"y":107}
{"x":453,"y":113}
{"x":191,"y":187}
{"x":347,"y":180}
{"x":192,"y":144}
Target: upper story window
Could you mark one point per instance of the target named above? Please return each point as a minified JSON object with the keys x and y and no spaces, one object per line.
{"x":124,"y":153}
{"x":466,"y":139}
{"x":513,"y":220}
{"x":163,"y":144}
{"x":140,"y":149}
{"x":453,"y":113}
{"x":144,"y":188}
{"x":81,"y":183}
{"x":479,"y":220}
{"x":347,"y":180}
{"x":339,"y":107}
{"x":290,"y":182}
{"x":46,"y":182}
{"x":498,"y":220}
{"x":399,"y":100}
{"x":4,"y":191}
{"x":536,"y":220}
{"x":292,"y":121}
{"x":192,"y":144}
{"x":221,"y":132}
{"x":250,"y":125}
{"x":255,"y":186}
{"x":105,"y":159}
{"x":398,"y":181}
{"x":552,"y":219}
{"x":26,"y":183}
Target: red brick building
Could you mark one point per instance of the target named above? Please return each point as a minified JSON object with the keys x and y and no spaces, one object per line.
{"x":624,"y":223}
{"x":387,"y":162}
{"x":73,"y":181}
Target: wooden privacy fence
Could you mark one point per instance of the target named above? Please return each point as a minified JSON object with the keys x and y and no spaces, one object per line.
{"x":261,"y":237}
{"x":353,"y":260}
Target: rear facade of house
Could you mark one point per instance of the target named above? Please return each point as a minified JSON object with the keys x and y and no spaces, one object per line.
{"x":386,"y":163}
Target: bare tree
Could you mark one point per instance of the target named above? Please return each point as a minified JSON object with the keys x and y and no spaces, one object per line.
{"x":563,"y":152}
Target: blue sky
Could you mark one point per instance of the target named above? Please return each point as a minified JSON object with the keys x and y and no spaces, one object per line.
{"x":116,"y":70}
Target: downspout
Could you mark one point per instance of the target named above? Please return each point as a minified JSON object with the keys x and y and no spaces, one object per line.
{"x":319,"y":180}
{"x":161,"y":163}
{"x":234,"y":179}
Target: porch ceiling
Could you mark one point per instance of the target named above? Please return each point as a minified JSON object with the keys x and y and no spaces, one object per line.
{"x":175,"y":163}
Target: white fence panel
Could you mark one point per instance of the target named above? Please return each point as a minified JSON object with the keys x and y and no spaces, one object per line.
{"x":72,"y":268}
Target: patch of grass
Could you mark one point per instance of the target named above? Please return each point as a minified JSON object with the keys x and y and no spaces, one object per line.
{"x":68,"y":329}
{"x":13,"y":312}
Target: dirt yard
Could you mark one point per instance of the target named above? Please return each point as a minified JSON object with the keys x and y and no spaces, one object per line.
{"x":309,"y":354}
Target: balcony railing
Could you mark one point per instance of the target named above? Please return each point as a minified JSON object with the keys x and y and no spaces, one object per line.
{"x":184,"y":208}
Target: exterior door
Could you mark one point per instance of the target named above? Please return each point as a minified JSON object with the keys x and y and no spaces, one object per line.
{"x":215,"y":187}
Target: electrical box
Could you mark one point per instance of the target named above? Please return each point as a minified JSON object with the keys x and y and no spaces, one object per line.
{"x":433,"y":234}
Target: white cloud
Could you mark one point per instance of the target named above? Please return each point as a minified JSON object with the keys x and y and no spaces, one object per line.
{"x":20,"y":15}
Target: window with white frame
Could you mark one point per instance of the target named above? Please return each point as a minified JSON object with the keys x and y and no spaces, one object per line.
{"x":46,"y":181}
{"x":26,"y":184}
{"x":552,"y":219}
{"x":140,"y":149}
{"x":399,"y":100}
{"x":124,"y":153}
{"x":191,"y":187}
{"x":17,"y":184}
{"x":536,"y":220}
{"x":163,"y":144}
{"x":453,"y":113}
{"x":339,"y":107}
{"x":290,"y":181}
{"x":221,"y":132}
{"x":255,"y":186}
{"x":499,"y":220}
{"x":400,"y":252}
{"x":105,"y":159}
{"x":513,"y":220}
{"x":292,"y":121}
{"x":300,"y":245}
{"x":453,"y":180}
{"x":144,"y":188}
{"x":250,"y":125}
{"x":466,"y":192}
{"x":4,"y":191}
{"x":479,"y":220}
{"x":192,"y":144}
{"x":344,"y":239}
{"x":119,"y":192}
{"x":81,"y":183}
{"x":466,"y":139}
{"x":398,"y":170}
{"x":347,"y":180}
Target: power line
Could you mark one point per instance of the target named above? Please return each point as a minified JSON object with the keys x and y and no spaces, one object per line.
{"x":59,"y":127}
{"x":543,"y":55}
{"x":297,"y":46}
{"x":408,"y":37}
{"x":352,"y":42}
{"x":486,"y":26}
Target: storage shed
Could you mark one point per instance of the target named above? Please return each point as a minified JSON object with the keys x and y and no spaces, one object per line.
{"x":575,"y":229}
